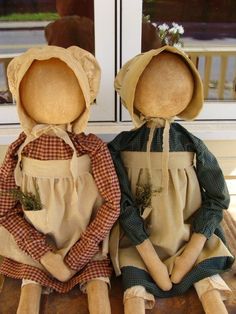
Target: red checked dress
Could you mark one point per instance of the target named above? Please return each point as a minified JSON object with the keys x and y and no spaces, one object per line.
{"x":34,"y":243}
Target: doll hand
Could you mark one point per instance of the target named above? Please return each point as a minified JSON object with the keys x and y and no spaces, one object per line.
{"x":156,"y":268}
{"x":55,"y":265}
{"x":160,"y":275}
{"x":187,"y":259}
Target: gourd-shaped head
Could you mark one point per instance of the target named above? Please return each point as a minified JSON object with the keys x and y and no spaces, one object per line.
{"x":54,"y":85}
{"x":50,"y":92}
{"x":165,"y":87}
{"x":160,"y":83}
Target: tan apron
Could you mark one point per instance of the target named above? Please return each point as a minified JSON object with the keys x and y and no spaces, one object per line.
{"x":68,"y":193}
{"x":167,"y":217}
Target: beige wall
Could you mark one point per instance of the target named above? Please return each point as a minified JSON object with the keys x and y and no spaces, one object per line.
{"x":225,"y":151}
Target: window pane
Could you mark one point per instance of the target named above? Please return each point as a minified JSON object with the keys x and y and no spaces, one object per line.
{"x":209,"y":38}
{"x":28,"y":23}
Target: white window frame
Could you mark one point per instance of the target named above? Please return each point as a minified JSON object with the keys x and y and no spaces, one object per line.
{"x":104,"y":26}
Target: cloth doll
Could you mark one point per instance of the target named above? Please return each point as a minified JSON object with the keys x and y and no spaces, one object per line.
{"x":172,"y":189}
{"x":59,"y":190}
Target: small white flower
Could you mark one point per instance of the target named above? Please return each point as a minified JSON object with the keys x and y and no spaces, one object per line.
{"x":175,"y":25}
{"x":163,"y":27}
{"x":181,"y":29}
{"x":170,"y":35}
{"x":173,"y":30}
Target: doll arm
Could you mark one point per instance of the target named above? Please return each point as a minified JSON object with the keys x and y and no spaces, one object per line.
{"x":27,"y":237}
{"x":105,"y":177}
{"x":130,"y":218}
{"x":155,"y":266}
{"x":184,"y":262}
{"x":215,"y":195}
{"x":215,"y":198}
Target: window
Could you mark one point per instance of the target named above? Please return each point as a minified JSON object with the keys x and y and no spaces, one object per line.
{"x":209,"y":40}
{"x":119,"y":35}
{"x":21,"y":38}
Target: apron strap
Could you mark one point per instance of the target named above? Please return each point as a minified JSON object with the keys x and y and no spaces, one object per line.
{"x":154,"y":123}
{"x":37,"y":131}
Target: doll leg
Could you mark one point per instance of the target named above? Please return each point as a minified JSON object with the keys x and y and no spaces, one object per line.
{"x":137,"y":299}
{"x":212,"y":291}
{"x":29,"y":298}
{"x":135,"y":305}
{"x":212,"y":303}
{"x":98,"y":297}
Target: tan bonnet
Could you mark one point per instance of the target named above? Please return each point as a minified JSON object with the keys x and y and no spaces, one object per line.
{"x":127,"y":79}
{"x":81,"y":62}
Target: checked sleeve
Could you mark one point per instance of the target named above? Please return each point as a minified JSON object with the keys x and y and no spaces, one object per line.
{"x":130,"y":219}
{"x":106,"y":180}
{"x":29,"y":240}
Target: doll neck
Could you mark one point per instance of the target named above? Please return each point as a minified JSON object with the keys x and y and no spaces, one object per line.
{"x":156,"y":122}
{"x":49,"y":129}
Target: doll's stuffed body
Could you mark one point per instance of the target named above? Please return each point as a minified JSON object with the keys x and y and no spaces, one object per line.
{"x":172,"y":188}
{"x":58,"y":202}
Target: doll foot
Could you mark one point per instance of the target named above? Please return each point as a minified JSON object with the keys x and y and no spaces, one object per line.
{"x":181,"y":267}
{"x":29,"y":299}
{"x":55,"y":265}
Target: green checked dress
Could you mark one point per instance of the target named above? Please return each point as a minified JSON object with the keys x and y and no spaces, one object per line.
{"x":193,"y":201}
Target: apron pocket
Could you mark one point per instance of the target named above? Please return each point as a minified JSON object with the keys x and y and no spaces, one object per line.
{"x":38,"y":219}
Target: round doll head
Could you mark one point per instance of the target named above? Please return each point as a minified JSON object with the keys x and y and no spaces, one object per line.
{"x":165,"y":87}
{"x":50,"y":92}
